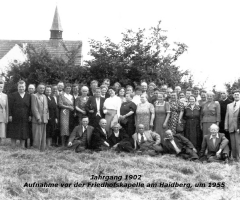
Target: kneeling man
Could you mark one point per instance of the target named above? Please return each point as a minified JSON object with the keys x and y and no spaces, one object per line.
{"x":147,"y":141}
{"x":80,"y":138}
{"x":179,"y":145}
{"x":100,"y":140}
{"x":217,"y":145}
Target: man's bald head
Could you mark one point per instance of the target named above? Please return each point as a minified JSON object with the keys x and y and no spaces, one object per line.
{"x":103,"y":123}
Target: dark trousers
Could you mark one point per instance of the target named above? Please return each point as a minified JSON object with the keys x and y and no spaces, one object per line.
{"x":30,"y":137}
{"x":188,"y":154}
{"x":211,"y":157}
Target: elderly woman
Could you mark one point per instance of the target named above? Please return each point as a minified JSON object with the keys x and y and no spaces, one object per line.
{"x":119,"y":140}
{"x":145,"y":113}
{"x":111,"y":108}
{"x":3,"y":112}
{"x":121,"y":94}
{"x":210,"y":113}
{"x":127,"y":115}
{"x":104,"y":90}
{"x":162,"y":114}
{"x":19,"y":115}
{"x":176,"y":108}
{"x":81,"y":102}
{"x":66,"y":107}
{"x":203,"y":98}
{"x":192,"y":128}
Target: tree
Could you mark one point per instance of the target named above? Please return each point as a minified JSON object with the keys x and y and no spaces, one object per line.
{"x":234,"y":86}
{"x":42,"y":67}
{"x":137,"y":57}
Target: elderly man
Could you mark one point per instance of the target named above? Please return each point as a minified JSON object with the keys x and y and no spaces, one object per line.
{"x":31,"y":89}
{"x":40,"y":117}
{"x":80,"y":138}
{"x":60,"y":87}
{"x":231,"y":124}
{"x":217,"y":145}
{"x":119,"y":139}
{"x":94,"y":108}
{"x":147,"y":141}
{"x":100,"y":139}
{"x":179,"y":145}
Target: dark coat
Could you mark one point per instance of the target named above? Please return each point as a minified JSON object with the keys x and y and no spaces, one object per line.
{"x":92,"y":105}
{"x":183,"y":144}
{"x":53,"y":115}
{"x":98,"y":138}
{"x":20,"y":110}
{"x":78,"y":132}
{"x":221,"y":143}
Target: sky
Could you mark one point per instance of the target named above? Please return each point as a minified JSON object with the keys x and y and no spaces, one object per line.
{"x":210,"y":28}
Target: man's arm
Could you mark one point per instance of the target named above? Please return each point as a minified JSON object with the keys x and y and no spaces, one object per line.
{"x":224,"y":142}
{"x":35,"y":111}
{"x":156,"y":137}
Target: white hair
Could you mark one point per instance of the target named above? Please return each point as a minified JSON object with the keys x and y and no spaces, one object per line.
{"x":84,"y":87}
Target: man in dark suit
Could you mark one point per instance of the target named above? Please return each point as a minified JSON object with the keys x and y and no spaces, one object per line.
{"x":94,"y":108}
{"x":217,"y":145}
{"x":75,"y":90}
{"x":80,"y":138}
{"x":100,"y":140}
{"x":223,"y":106}
{"x":179,"y":145}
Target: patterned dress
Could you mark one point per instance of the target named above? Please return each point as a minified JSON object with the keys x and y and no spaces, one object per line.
{"x":81,"y":103}
{"x":64,"y":114}
{"x":161,"y":111}
{"x":143,"y":114}
{"x":175,"y":107}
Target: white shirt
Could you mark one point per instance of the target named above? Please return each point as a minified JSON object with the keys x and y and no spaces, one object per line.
{"x":136,"y":99}
{"x":69,"y":97}
{"x":84,"y":128}
{"x":98,"y":106}
{"x":55,"y":98}
{"x":140,"y":137}
{"x":214,"y":139}
{"x":104,"y":132}
{"x":113,"y":103}
{"x":175,"y":146}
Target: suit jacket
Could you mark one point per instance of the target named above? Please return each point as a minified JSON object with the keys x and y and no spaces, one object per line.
{"x":150,"y":135}
{"x":231,"y":117}
{"x":92,"y":105}
{"x":220,"y":143}
{"x":223,"y":107}
{"x":181,"y":142}
{"x":3,"y":108}
{"x":53,"y":109}
{"x":211,"y":112}
{"x":39,"y":108}
{"x":78,"y":132}
{"x":98,"y":138}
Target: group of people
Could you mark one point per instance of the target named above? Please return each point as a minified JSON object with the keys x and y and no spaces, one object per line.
{"x":145,"y":119}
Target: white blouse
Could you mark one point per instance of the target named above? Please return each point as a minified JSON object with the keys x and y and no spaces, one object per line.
{"x":113,"y":103}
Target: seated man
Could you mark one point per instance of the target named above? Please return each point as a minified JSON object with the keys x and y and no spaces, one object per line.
{"x":119,"y":139}
{"x":179,"y":145}
{"x":80,"y":138}
{"x":147,"y":141}
{"x":217,"y":145}
{"x":100,"y":137}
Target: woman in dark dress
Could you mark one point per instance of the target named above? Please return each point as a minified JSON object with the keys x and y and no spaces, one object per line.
{"x":53,"y":116}
{"x":192,"y":129}
{"x":127,"y":115}
{"x":19,"y":115}
{"x":119,"y":140}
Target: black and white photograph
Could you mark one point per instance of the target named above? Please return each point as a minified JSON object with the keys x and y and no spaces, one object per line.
{"x":119,"y":100}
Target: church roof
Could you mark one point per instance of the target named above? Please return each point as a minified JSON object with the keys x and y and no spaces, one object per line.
{"x":56,"y":25}
{"x":56,"y":48}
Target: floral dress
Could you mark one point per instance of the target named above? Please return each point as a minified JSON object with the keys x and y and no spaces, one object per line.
{"x":143,"y":114}
{"x":175,"y":107}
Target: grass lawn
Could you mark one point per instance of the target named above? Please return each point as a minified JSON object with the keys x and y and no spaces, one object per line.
{"x":18,"y":167}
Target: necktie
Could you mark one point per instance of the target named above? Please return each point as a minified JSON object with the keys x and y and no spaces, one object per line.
{"x":84,"y":136}
{"x":214,"y":141}
{"x":234,"y":104}
{"x":142,"y":139}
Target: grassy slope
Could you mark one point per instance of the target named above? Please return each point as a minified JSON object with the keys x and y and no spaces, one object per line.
{"x":20,"y":166}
